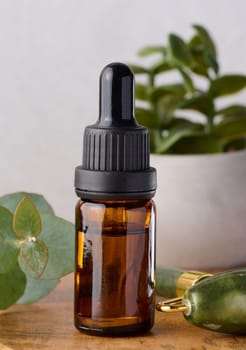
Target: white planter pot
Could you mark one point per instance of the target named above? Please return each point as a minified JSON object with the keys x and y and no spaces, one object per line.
{"x":201,"y":210}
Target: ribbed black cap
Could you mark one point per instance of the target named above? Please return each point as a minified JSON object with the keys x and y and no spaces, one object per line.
{"x":116,"y":149}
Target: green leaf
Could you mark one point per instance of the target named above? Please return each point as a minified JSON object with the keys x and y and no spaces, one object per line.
{"x":138,"y":69}
{"x":188,"y":83}
{"x":9,"y":247}
{"x":201,"y":103}
{"x":58,"y":235}
{"x":155,"y":139}
{"x":206,"y":39}
{"x":147,"y":118}
{"x":195,"y":44}
{"x":197,"y":144}
{"x":175,"y":135}
{"x":165,"y":107}
{"x":150,"y":50}
{"x":203,"y":52}
{"x":233,"y":110}
{"x":235,"y":145}
{"x":27,"y":222}
{"x":198,"y":65}
{"x":141,"y":92}
{"x":35,"y":255}
{"x":36,"y":289}
{"x":11,"y":201}
{"x":227,"y":84}
{"x":160,"y":67}
{"x":178,"y":52}
{"x":160,"y":91}
{"x":211,"y":62}
{"x":12,"y":286}
{"x":179,"y":122}
{"x":231,"y":128}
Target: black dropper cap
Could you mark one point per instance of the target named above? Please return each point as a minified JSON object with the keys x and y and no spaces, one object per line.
{"x":116,"y":149}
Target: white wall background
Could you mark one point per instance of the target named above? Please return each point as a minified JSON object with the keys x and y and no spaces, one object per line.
{"x":51,"y":55}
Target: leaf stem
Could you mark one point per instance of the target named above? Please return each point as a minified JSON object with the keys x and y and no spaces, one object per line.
{"x":209,"y":126}
{"x":151,"y":80}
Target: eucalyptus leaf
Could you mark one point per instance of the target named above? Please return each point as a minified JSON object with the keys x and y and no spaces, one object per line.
{"x":58,"y":235}
{"x":11,"y":201}
{"x":147,"y":118}
{"x":30,"y":274}
{"x":178,"y":52}
{"x":150,"y":50}
{"x":12,"y":286}
{"x":9,"y":246}
{"x":227,"y":84}
{"x":36,"y":289}
{"x":20,"y":273}
{"x":27,"y":221}
{"x":35,"y":254}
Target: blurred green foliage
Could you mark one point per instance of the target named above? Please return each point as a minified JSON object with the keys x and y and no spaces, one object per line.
{"x":171,"y":131}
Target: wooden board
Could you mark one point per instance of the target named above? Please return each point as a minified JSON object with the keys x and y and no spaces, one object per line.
{"x":48,"y":324}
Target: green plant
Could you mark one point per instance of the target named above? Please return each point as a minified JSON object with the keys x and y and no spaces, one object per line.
{"x":36,"y":248}
{"x":221,"y":129}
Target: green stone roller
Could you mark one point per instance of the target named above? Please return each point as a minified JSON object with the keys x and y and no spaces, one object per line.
{"x":217,"y":303}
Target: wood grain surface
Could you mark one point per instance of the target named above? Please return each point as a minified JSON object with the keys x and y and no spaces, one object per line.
{"x":48,"y":324}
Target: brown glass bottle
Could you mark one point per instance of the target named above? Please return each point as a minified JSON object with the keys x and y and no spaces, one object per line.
{"x":115,"y":264}
{"x":115,"y":216}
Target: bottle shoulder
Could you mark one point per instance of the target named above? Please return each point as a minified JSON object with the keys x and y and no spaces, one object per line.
{"x":109,"y":215}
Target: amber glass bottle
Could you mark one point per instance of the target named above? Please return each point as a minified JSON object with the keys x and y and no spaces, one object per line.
{"x":115,"y":266}
{"x":115,"y":217}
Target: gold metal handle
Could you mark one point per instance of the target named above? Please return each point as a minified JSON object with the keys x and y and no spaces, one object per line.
{"x":186,"y":280}
{"x":172,"y":305}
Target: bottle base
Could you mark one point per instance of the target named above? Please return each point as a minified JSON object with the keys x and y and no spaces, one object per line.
{"x":114,"y":331}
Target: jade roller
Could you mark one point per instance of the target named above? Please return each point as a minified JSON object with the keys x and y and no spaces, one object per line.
{"x":216,"y":302}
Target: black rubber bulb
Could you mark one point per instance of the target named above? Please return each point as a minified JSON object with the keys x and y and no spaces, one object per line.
{"x":116,"y":96}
